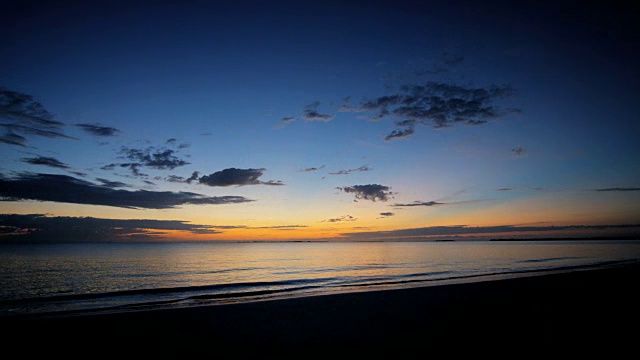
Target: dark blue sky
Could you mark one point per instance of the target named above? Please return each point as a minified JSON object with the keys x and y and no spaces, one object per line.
{"x":321,"y":118}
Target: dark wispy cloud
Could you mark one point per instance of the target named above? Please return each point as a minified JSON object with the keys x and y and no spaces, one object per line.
{"x":112,"y":184}
{"x":371,"y":192}
{"x":277,"y":227}
{"x":21,"y":115}
{"x":349,"y":171}
{"x":504,"y":189}
{"x":386,"y":214}
{"x":519,"y":151}
{"x":10,"y":137}
{"x":46,"y":161}
{"x":432,"y":232}
{"x":342,"y":218}
{"x":175,"y":179}
{"x":439,"y":203}
{"x":421,"y":203}
{"x":311,"y":113}
{"x":438,"y":105}
{"x":400,"y":133}
{"x":41,"y":228}
{"x":236,"y":177}
{"x":310,"y":169}
{"x":623,"y":189}
{"x":67,"y":189}
{"x":99,"y":130}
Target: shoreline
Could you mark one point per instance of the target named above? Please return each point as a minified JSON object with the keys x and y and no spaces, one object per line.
{"x":583,"y":311}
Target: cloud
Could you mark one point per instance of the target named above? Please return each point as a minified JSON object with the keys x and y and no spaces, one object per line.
{"x":386,"y":214}
{"x":22,"y":115}
{"x":238,"y":177}
{"x":618,"y":189}
{"x":13,"y":139}
{"x":277,"y":227}
{"x":311,"y":113}
{"x":371,"y":192}
{"x":431,"y":232}
{"x":438,"y":105}
{"x":421,"y":203}
{"x":112,"y":184}
{"x":349,"y":171}
{"x":518,"y":151}
{"x":193,"y":177}
{"x":99,"y":130}
{"x":175,"y":179}
{"x":159,"y":159}
{"x":342,"y":218}
{"x":504,"y":189}
{"x":11,"y":129}
{"x":23,"y":108}
{"x":67,"y":189}
{"x":311,"y":169}
{"x":288,"y":119}
{"x":437,"y":203}
{"x":156,"y":159}
{"x":46,"y":161}
{"x":400,"y":134}
{"x":41,"y":228}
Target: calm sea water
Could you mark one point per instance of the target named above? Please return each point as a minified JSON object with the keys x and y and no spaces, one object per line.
{"x":45,"y":279}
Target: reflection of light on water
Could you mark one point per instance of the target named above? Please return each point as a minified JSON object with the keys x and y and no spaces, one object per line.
{"x":178,"y":273}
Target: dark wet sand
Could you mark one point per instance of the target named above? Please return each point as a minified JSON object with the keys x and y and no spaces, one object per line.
{"x":593,"y":312}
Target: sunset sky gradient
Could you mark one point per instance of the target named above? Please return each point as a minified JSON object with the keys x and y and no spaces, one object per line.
{"x":296,"y":120}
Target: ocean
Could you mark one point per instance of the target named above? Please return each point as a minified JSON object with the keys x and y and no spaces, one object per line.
{"x":56,"y":279}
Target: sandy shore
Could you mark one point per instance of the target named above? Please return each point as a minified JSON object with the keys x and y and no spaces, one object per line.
{"x":594,"y":312}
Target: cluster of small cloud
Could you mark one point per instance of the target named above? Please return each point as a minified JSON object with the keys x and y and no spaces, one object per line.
{"x":349,"y":171}
{"x":434,"y":104}
{"x":67,"y":189}
{"x":342,"y":218}
{"x":439,"y":105}
{"x":159,"y":159}
{"x":371,"y":192}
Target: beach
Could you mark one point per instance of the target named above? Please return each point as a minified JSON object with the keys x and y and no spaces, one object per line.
{"x":574,"y":313}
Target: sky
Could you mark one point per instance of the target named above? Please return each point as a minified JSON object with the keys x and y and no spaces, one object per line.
{"x":332,"y":120}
